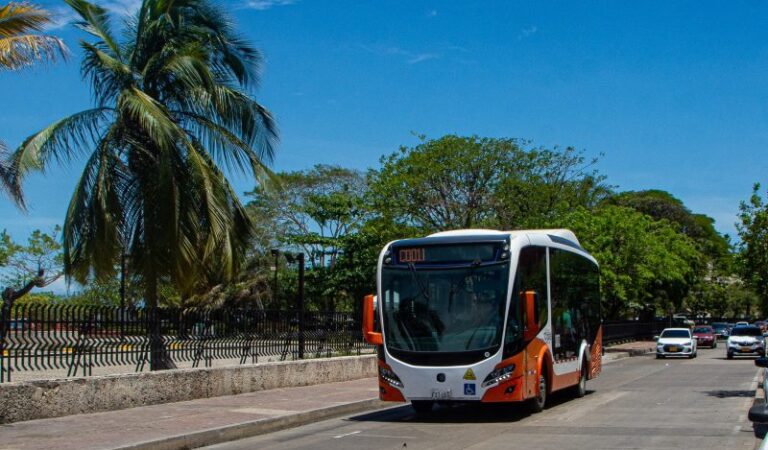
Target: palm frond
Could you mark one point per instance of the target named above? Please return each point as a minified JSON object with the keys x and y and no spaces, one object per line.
{"x":19,"y":18}
{"x":227,"y":148}
{"x":61,"y":141}
{"x":20,"y":41}
{"x":93,"y":226}
{"x":153,"y":119}
{"x":109,"y":75}
{"x":95,"y":21}
{"x":8,"y":181}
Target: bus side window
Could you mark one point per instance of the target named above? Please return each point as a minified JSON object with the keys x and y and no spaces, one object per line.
{"x":531,"y":275}
{"x":575,"y":301}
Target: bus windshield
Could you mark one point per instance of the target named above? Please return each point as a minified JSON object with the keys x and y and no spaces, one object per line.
{"x":444,"y":310}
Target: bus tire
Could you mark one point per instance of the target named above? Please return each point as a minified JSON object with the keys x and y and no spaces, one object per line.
{"x":538,"y":402}
{"x":580,"y":390}
{"x":422,"y":406}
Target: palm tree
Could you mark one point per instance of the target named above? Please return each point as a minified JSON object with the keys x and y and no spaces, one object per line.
{"x":172,"y":104}
{"x":20,"y":46}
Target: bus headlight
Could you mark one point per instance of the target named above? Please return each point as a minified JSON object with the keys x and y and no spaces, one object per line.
{"x":498,"y":375}
{"x":390,"y":377}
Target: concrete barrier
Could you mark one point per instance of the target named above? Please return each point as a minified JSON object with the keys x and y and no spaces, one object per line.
{"x":30,"y":400}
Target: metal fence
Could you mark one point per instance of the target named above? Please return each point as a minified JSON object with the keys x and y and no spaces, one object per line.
{"x":627,"y":330}
{"x":78,"y":338}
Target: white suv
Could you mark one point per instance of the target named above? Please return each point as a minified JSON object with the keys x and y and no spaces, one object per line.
{"x":675,"y":342}
{"x":747,"y":340}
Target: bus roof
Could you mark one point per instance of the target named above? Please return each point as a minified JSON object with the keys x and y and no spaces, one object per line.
{"x":561,"y":234}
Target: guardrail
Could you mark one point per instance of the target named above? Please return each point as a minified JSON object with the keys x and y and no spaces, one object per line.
{"x":77,"y":338}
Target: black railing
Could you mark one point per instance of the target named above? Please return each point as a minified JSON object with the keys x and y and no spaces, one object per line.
{"x":56,"y":337}
{"x":628,"y":330}
{"x":78,"y":338}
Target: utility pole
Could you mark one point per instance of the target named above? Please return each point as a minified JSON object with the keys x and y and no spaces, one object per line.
{"x":300,"y":305}
{"x":276,"y":254}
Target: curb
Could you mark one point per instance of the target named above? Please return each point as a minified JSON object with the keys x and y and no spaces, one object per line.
{"x":619,"y":355}
{"x":243,"y":430}
{"x":757,"y":402}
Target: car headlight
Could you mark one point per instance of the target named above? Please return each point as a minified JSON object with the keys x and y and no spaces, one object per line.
{"x":390,"y":377}
{"x":498,"y":375}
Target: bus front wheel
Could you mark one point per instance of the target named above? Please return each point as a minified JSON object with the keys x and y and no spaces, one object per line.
{"x":537,"y":403}
{"x":422,"y":406}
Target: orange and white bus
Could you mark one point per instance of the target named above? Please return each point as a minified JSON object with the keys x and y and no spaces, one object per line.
{"x":485,"y":316}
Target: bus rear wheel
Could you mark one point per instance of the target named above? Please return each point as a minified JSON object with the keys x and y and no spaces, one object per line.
{"x":422,"y":406}
{"x":580,"y":390}
{"x":538,"y":403}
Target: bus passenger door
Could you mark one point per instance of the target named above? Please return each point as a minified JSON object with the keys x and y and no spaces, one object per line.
{"x":531,"y":369}
{"x":530,"y":301}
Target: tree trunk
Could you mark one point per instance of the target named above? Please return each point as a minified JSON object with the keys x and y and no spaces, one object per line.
{"x":159,"y":359}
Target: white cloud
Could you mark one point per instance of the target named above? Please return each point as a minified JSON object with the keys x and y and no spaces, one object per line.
{"x":526,"y":32}
{"x":409,"y":56}
{"x":266,"y":4}
{"x":417,"y":58}
{"x":63,"y":16}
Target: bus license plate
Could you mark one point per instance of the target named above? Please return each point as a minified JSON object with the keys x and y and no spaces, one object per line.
{"x":441,"y":394}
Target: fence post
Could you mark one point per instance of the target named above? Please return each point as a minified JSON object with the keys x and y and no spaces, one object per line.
{"x":5,"y":323}
{"x":300,"y":305}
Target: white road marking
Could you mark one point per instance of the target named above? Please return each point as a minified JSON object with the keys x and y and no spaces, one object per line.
{"x":346,"y":434}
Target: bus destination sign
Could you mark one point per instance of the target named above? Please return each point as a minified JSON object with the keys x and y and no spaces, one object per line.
{"x":446,"y":254}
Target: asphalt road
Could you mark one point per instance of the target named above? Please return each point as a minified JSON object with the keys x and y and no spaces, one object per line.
{"x":637,"y":403}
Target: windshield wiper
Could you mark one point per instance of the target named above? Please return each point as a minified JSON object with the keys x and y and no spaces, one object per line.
{"x":423,"y":291}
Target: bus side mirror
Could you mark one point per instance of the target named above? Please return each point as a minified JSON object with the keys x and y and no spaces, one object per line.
{"x":369,"y":335}
{"x":530,"y":301}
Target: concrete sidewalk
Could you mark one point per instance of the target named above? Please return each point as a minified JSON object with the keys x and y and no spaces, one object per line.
{"x":209,"y":421}
{"x":195,"y":423}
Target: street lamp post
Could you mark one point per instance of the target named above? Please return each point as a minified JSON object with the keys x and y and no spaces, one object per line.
{"x":276,"y":253}
{"x":300,"y":305}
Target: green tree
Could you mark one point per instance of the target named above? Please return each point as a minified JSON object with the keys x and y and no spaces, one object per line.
{"x":469,"y":182}
{"x":645,"y":264}
{"x":662,"y":205}
{"x":311,"y":211}
{"x":552,"y":183}
{"x":172,"y":103}
{"x":23,"y":267}
{"x":753,"y":247}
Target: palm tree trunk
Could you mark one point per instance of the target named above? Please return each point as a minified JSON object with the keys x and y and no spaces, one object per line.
{"x":159,"y":359}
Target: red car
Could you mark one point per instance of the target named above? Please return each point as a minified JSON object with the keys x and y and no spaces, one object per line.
{"x":705,"y":335}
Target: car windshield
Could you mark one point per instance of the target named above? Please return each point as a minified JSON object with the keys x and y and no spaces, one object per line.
{"x":445,"y":310}
{"x":746,"y":331}
{"x":702,"y":330}
{"x":719,"y":326}
{"x":675,"y":334}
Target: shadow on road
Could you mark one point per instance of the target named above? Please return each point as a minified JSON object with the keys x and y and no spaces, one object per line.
{"x":738,"y":358}
{"x":464,"y":412}
{"x":730,"y":394}
{"x":761,"y":429}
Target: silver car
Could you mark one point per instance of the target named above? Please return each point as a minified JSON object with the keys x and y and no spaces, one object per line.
{"x":745,"y":340}
{"x":676,"y":342}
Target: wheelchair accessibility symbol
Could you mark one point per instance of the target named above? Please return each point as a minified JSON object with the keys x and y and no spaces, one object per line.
{"x":469,"y":388}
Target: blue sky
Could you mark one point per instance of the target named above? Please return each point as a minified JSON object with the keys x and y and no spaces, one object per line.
{"x":674,"y":94}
